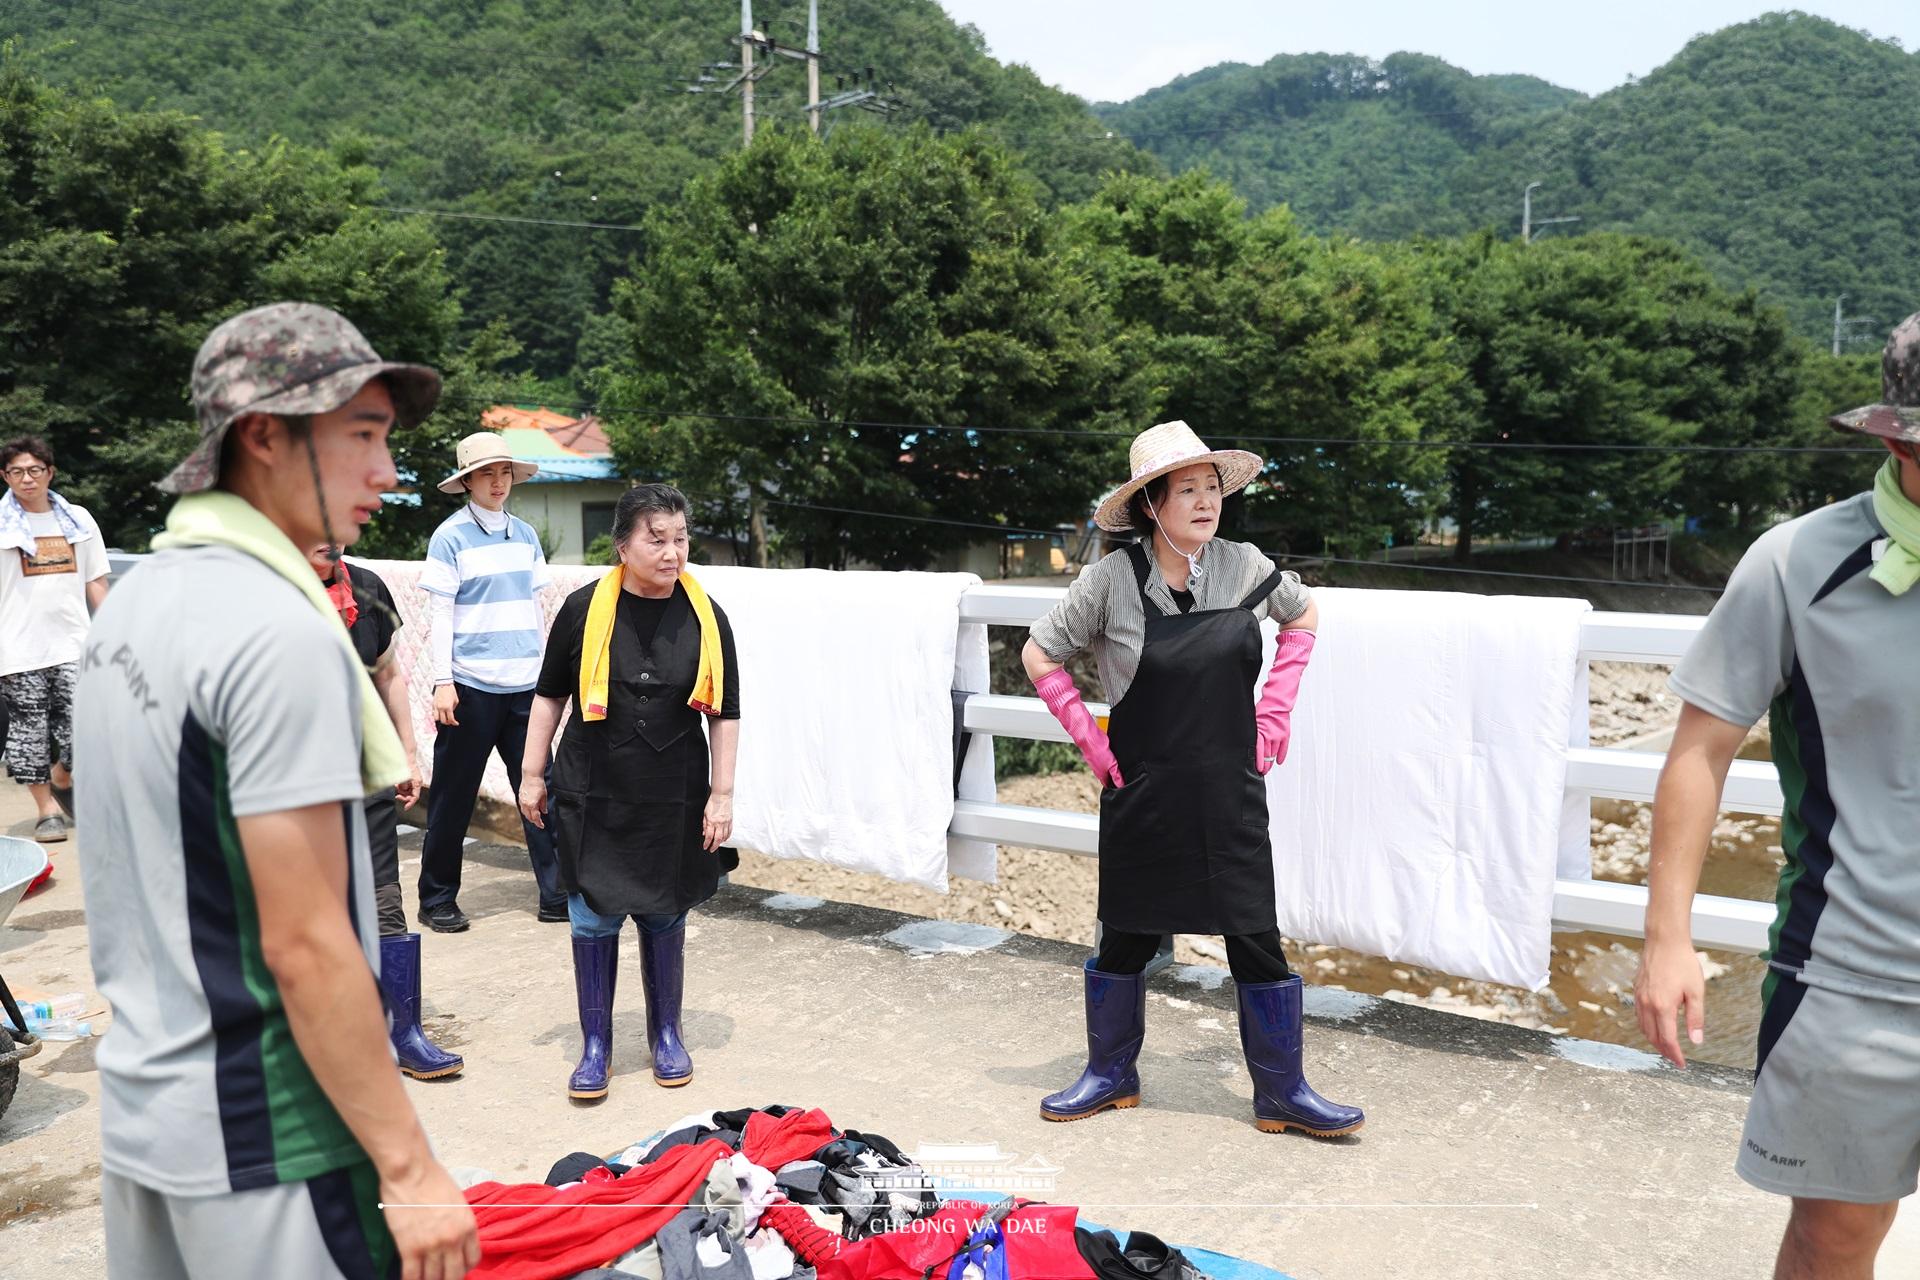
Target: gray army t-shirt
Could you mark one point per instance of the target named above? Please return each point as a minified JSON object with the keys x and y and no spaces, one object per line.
{"x":210,"y":689}
{"x":1804,"y":636}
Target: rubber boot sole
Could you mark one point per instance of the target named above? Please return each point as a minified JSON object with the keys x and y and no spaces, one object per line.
{"x":673,"y":1082}
{"x":1114,"y":1104}
{"x":434,"y":1075}
{"x":586,"y":1095}
{"x":1281,"y":1126}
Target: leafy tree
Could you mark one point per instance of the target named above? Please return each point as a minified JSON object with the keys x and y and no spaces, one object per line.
{"x":543,"y":109}
{"x":1565,"y":344}
{"x":879,"y":278}
{"x":1830,"y":385}
{"x":126,"y":236}
{"x":1255,"y":330}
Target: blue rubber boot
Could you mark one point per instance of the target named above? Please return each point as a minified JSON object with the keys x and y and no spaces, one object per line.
{"x":1270,"y":1036}
{"x":418,"y":1056}
{"x":596,"y":966}
{"x":663,"y":974}
{"x":1116,"y":1027}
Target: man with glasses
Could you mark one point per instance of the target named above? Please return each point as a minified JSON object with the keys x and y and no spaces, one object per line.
{"x":53,"y":570}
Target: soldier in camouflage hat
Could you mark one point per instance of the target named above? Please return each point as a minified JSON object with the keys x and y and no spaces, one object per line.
{"x":291,"y":358}
{"x":1816,"y":632}
{"x":1897,"y":416}
{"x":252,"y":1118}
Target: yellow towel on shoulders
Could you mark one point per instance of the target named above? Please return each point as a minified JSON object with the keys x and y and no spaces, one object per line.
{"x":596,"y":648}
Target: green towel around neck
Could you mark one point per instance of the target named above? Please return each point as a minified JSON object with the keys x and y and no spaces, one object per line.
{"x":217,"y":518}
{"x":1899,"y":568}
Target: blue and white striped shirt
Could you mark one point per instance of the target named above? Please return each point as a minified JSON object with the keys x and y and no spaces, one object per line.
{"x":492,"y":579}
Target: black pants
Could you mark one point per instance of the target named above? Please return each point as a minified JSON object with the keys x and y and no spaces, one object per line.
{"x":489,"y":722}
{"x":1253,"y":957}
{"x":383,"y":842}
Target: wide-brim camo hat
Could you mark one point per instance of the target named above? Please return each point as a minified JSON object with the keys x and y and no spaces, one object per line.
{"x":1169,"y":447}
{"x":288,"y":358}
{"x":483,"y":449}
{"x":1897,"y":416}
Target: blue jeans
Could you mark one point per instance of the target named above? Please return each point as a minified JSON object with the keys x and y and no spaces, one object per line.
{"x":588,"y":923}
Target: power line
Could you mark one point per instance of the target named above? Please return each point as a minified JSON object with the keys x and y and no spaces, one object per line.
{"x":1503,"y":573}
{"x":496,"y":217}
{"x":884,"y":515}
{"x":1277,"y":559}
{"x":854,"y":424}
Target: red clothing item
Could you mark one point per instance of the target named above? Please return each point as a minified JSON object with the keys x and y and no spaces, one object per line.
{"x":771,"y":1142}
{"x":1039,"y":1246}
{"x":340,"y":592}
{"x":571,"y":1229}
{"x":812,"y":1243}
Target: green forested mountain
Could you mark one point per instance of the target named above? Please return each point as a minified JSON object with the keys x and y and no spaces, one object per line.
{"x":1781,"y":151}
{"x":544,"y":109}
{"x":1374,"y":148}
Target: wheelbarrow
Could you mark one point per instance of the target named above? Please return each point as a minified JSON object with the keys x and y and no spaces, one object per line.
{"x":21,"y":861}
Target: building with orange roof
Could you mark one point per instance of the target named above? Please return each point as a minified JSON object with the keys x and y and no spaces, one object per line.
{"x":570,"y":502}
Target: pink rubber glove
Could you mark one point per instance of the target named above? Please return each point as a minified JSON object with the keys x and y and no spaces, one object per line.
{"x":1057,"y":691}
{"x":1273,"y":716}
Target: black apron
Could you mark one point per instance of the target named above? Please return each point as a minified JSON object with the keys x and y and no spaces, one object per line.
{"x":630,"y":791}
{"x":1184,"y":846}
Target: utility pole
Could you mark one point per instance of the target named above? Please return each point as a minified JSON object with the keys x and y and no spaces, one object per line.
{"x":1837,"y":322}
{"x":813,"y":64}
{"x":1527,"y":224}
{"x":751,"y":69}
{"x":747,"y":38}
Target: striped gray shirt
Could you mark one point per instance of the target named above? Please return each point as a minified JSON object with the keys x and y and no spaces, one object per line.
{"x":1103,"y":607}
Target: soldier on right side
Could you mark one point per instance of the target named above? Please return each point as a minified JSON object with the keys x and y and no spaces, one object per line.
{"x":1819,"y":629}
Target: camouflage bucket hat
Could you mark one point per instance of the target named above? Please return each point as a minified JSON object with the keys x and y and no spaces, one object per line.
{"x":1897,"y":416}
{"x":288,"y":358}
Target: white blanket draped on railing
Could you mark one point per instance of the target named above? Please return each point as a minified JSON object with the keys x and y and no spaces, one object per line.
{"x":1423,"y":812}
{"x":846,"y":714}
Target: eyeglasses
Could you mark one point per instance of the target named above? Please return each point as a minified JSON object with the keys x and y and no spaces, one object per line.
{"x":33,"y":472}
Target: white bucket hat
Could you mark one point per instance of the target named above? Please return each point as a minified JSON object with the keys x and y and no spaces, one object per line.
{"x":483,"y":449}
{"x":1169,"y":447}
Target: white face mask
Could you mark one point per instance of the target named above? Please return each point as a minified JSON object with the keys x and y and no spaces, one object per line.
{"x":1194,"y":571}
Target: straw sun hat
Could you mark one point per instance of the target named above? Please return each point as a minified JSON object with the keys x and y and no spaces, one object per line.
{"x":1169,"y":447}
{"x":483,"y":449}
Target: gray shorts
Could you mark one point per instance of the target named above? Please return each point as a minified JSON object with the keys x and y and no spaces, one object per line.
{"x":1836,"y":1105}
{"x":326,"y":1228}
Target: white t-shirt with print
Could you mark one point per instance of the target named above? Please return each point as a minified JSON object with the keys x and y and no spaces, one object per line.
{"x":43,"y":595}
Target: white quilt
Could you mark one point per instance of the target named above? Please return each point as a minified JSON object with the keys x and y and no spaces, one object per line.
{"x":1422,"y":811}
{"x":846,"y":715}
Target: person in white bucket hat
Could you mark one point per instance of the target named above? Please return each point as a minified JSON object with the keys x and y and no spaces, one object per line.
{"x":486,"y":452}
{"x":483,"y":577}
{"x":1174,"y":623}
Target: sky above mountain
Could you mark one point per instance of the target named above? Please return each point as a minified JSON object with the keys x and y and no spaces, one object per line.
{"x":1112,"y":50}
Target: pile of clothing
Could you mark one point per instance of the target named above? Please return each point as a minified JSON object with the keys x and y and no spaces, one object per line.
{"x":778,"y":1193}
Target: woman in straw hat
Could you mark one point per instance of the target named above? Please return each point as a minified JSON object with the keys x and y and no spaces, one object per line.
{"x":1174,"y":623}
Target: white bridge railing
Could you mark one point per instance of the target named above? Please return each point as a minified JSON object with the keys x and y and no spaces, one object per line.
{"x":1729,"y":924}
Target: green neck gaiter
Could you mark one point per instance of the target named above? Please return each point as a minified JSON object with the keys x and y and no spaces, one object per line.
{"x":1899,"y":568}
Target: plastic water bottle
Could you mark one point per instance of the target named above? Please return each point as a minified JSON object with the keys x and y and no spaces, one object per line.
{"x":58,"y":1018}
{"x":61,"y":1029}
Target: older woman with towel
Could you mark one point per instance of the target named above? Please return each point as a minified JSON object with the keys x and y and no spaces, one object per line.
{"x":1174,"y":622}
{"x":641,"y":808}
